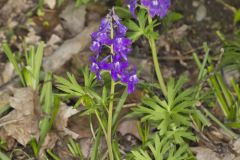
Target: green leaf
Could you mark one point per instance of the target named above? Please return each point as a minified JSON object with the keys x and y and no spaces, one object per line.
{"x":161,"y":149}
{"x":131,"y":25}
{"x":134,"y":35}
{"x":171,"y":17}
{"x":167,"y":115}
{"x":123,"y":12}
{"x":4,"y":156}
{"x":13,"y":60}
{"x":237,"y":16}
{"x":37,"y":63}
{"x":52,"y":155}
{"x":142,"y":18}
{"x":27,"y":74}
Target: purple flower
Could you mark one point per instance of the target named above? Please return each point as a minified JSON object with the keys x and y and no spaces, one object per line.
{"x":97,"y":67}
{"x":122,"y":46}
{"x":96,"y":46}
{"x":157,"y":7}
{"x":131,"y":80}
{"x":132,"y":4}
{"x":120,"y":29}
{"x":101,"y":36}
{"x":118,"y":67}
{"x":115,"y":63}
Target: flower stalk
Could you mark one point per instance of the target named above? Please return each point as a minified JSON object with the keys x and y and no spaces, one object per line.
{"x":112,"y":35}
{"x":110,"y":115}
{"x":157,"y":66}
{"x":156,"y":63}
{"x":110,"y":109}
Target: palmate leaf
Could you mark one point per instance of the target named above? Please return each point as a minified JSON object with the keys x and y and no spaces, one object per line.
{"x":72,"y":88}
{"x":180,"y":134}
{"x":161,"y":150}
{"x":172,"y":113}
{"x":142,"y":27}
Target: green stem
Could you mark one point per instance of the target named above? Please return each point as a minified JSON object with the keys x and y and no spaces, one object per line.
{"x":119,"y":106}
{"x":110,"y":109}
{"x":157,"y":66}
{"x":110,"y":116}
{"x":155,"y":61}
{"x":3,"y":156}
{"x":94,"y":152}
{"x":101,"y":124}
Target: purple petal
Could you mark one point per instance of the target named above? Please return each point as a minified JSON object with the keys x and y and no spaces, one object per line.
{"x":157,"y":7}
{"x":132,"y":4}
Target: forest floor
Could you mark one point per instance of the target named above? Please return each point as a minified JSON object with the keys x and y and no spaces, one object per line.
{"x":66,"y":32}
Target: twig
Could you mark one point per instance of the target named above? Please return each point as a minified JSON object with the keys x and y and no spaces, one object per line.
{"x":131,"y":105}
{"x":233,"y":9}
{"x":9,"y":122}
{"x":201,"y":47}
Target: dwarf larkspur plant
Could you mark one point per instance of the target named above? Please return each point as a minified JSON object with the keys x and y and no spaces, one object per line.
{"x":166,"y":120}
{"x":112,"y":35}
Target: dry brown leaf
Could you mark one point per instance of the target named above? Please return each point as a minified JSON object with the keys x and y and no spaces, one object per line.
{"x":22,"y":122}
{"x":49,"y":142}
{"x":129,"y":127}
{"x":81,"y":125}
{"x":69,"y":122}
{"x":10,"y":142}
{"x":4,"y":100}
{"x":61,"y":122}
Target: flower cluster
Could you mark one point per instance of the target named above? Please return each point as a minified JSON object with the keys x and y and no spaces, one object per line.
{"x":111,"y":35}
{"x":155,"y":7}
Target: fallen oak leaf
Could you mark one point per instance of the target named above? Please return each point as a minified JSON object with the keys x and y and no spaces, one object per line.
{"x":49,"y":143}
{"x":61,"y":121}
{"x":23,"y":122}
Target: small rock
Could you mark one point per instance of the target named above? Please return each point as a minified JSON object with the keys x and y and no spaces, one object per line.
{"x":236,"y":146}
{"x":204,"y":153}
{"x":208,"y":154}
{"x":32,"y":37}
{"x":59,"y":31}
{"x":201,"y":13}
{"x":54,"y":39}
{"x":73,"y":18}
{"x":195,"y":3}
{"x":230,"y":74}
{"x":8,"y":72}
{"x":50,"y":3}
